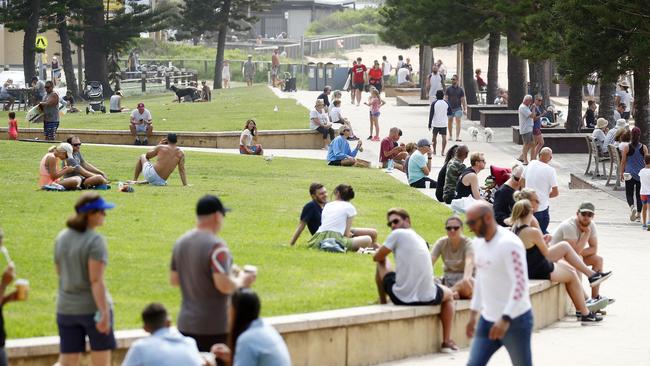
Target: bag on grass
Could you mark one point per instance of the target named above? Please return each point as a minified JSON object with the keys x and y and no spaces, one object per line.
{"x":331,"y":245}
{"x":461,"y":205}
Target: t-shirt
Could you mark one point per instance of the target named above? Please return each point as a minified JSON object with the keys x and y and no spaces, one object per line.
{"x":246,"y":138}
{"x":358,"y":72}
{"x":414,"y":271}
{"x":568,"y":230}
{"x":644,"y":175}
{"x":626,"y":98}
{"x":311,"y":215}
{"x":73,"y":250}
{"x":525,"y":122}
{"x":590,"y":118}
{"x":416,"y":163}
{"x":439,"y":108}
{"x":165,"y":347}
{"x":454,"y":260}
{"x":387,"y":68}
{"x":325,"y":99}
{"x":503,"y":203}
{"x":249,"y":68}
{"x":402,"y":75}
{"x":436,"y":84}
{"x":195,"y":257}
{"x":76,"y":160}
{"x":454,"y":95}
{"x":320,"y":116}
{"x":335,"y":216}
{"x":387,"y":144}
{"x":375,"y":75}
{"x":335,"y":114}
{"x":114,"y":104}
{"x":145,"y":116}
{"x":542,"y":178}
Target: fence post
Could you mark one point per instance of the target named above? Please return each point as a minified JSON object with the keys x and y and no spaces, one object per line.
{"x":205,"y":66}
{"x":167,"y":82}
{"x":143,"y":79}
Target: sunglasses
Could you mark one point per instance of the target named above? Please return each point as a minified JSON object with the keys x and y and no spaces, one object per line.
{"x":452,"y":228}
{"x":76,"y":145}
{"x":393,"y":222}
{"x":516,"y":178}
{"x":588,"y":214}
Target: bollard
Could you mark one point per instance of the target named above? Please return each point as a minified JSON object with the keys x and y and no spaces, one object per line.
{"x":143,"y":79}
{"x":167,"y":83}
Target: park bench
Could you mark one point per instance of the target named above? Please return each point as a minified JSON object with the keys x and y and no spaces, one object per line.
{"x":614,"y":166}
{"x":411,"y":101}
{"x":473,"y":110}
{"x":499,"y":118}
{"x":516,"y":136}
{"x":597,"y":156}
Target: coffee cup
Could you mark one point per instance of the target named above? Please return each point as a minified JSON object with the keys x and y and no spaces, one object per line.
{"x":22,"y":289}
{"x":250,"y":269}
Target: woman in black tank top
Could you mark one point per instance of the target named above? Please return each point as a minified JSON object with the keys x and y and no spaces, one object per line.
{"x":477,"y":161}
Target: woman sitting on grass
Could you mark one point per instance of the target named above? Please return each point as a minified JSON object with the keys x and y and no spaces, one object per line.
{"x":247,"y":139}
{"x":336,"y":223}
{"x":50,"y":174}
{"x":458,"y":259}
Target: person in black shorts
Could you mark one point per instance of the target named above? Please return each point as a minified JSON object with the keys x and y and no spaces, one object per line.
{"x":311,"y":212}
{"x":359,"y":78}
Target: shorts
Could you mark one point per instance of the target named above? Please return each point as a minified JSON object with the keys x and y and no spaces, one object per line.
{"x":542,"y":271}
{"x":645,"y":199}
{"x":73,"y":330}
{"x":389,"y":282}
{"x":386,"y":77}
{"x":440,"y":130}
{"x":140,"y":128}
{"x":253,"y":148}
{"x":274,"y":70}
{"x":527,"y":138}
{"x":457,"y":112}
{"x":315,"y":240}
{"x":358,"y":86}
{"x":451,"y":278}
{"x":151,"y":175}
{"x":537,"y":131}
{"x":375,"y":114}
{"x":248,"y":77}
{"x":335,"y":163}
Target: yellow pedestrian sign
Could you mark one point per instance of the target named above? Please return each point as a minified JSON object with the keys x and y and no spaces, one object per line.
{"x":41,"y":44}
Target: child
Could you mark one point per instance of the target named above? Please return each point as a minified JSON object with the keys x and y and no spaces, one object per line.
{"x":13,"y":126}
{"x":644,"y":176}
{"x":375,"y":102}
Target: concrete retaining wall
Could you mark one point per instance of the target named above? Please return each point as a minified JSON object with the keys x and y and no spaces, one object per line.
{"x":344,"y":336}
{"x":277,"y":139}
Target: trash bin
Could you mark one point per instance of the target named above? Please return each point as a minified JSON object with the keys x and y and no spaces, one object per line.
{"x":329,"y":73}
{"x":339,"y":77}
{"x":311,"y":76}
{"x":320,"y":76}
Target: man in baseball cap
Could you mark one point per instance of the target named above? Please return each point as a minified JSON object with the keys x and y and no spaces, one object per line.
{"x":141,"y":125}
{"x":419,"y":166}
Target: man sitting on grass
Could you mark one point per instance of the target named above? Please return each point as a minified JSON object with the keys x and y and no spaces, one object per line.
{"x":391,"y":150}
{"x":90,"y":176}
{"x":169,"y":156}
{"x":312,"y":211}
{"x":412,"y":283}
{"x":339,"y":152}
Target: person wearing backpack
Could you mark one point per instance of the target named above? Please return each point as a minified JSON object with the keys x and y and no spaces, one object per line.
{"x":438,"y":115}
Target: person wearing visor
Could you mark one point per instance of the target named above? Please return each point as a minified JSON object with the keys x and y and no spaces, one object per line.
{"x":83,"y":303}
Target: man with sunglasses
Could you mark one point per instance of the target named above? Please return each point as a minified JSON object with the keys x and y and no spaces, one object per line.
{"x":412,"y":283}
{"x":504,"y":199}
{"x":90,"y":176}
{"x":500,"y":292}
{"x":339,"y":152}
{"x":580,"y":233}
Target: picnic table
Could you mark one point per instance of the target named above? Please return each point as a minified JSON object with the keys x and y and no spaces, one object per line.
{"x":24,"y":96}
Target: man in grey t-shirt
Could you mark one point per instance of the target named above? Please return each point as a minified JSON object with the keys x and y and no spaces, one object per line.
{"x":203,"y":268}
{"x":455,"y":96}
{"x":526,"y":116}
{"x":249,"y":71}
{"x":91,"y":176}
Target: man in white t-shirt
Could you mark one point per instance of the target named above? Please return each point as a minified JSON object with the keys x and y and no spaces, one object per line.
{"x":412,"y":282}
{"x":141,"y":123}
{"x":438,"y":121}
{"x":527,"y":114}
{"x":541,"y":177}
{"x":403,"y":75}
{"x":319,"y":121}
{"x":435,"y":82}
{"x":386,"y":67}
{"x":336,"y":117}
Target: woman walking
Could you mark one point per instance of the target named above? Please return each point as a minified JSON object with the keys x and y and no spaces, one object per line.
{"x":225,"y":74}
{"x":83,"y":306}
{"x":631,"y":164}
{"x":375,"y":103}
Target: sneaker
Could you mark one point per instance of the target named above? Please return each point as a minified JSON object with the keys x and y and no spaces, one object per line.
{"x":632,"y":213}
{"x":638,"y":217}
{"x":376,"y":138}
{"x":369,"y":138}
{"x":137,"y":142}
{"x":599,"y":277}
{"x":450,"y":347}
{"x":590,"y":318}
{"x":595,"y":305}
{"x":145,"y":142}
{"x":644,"y":227}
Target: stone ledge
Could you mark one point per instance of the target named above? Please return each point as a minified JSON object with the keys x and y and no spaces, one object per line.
{"x":474,"y":110}
{"x":499,"y":118}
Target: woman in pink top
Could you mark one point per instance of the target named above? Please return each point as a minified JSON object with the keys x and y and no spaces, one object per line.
{"x":375,"y":102}
{"x":49,"y":172}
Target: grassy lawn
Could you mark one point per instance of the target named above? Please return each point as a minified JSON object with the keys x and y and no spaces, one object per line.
{"x":228,"y":111}
{"x":266,"y":199}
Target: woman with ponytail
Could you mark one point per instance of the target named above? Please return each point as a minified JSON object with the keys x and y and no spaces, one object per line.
{"x":49,"y":171}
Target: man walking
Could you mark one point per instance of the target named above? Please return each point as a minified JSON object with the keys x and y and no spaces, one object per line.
{"x":169,"y":157}
{"x":455,"y":96}
{"x":541,"y":177}
{"x":203,"y":268}
{"x":438,"y":121}
{"x":275,"y":66}
{"x":311,"y":212}
{"x":526,"y":115}
{"x":50,"y":108}
{"x":435,"y":82}
{"x":386,"y":67}
{"x":500,"y":292}
{"x":248,"y":69}
{"x":359,"y":79}
{"x":412,"y":282}
{"x":90,"y":176}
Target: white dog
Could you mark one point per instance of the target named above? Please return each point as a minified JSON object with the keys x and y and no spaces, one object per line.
{"x":488,"y":134}
{"x":474,"y":132}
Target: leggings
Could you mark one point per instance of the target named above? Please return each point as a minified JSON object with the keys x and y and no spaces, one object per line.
{"x":326,"y":131}
{"x":633,"y":189}
{"x":49,"y":129}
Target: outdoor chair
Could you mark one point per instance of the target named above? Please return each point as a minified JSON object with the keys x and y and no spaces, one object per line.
{"x":614,"y":166}
{"x":597,"y":156}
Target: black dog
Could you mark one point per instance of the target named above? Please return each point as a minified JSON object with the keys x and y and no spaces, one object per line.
{"x":191,"y":92}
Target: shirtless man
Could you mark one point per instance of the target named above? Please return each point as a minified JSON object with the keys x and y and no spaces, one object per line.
{"x":275,"y":66}
{"x":169,"y":156}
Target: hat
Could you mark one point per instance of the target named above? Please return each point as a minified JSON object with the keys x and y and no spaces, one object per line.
{"x":67,"y":147}
{"x":620,"y":123}
{"x":119,"y":92}
{"x":624,"y":83}
{"x":423,"y":143}
{"x":587,"y":207}
{"x":140,"y":105}
{"x":210,"y":204}
{"x":250,"y":56}
{"x":96,"y":205}
{"x":601,"y":123}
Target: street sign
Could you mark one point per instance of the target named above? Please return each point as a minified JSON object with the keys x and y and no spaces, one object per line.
{"x":41,"y":44}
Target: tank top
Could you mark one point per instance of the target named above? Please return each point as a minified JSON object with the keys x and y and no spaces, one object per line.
{"x":538,"y":266}
{"x":51,"y":112}
{"x":461,"y":189}
{"x":44,"y":175}
{"x":635,"y":161}
{"x":375,"y":104}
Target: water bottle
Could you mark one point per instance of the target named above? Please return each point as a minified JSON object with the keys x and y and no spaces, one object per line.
{"x":390,"y":165}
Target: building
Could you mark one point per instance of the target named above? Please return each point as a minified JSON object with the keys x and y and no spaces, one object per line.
{"x":293,"y":16}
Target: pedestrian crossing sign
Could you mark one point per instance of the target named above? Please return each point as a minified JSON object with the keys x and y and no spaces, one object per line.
{"x":41,"y":44}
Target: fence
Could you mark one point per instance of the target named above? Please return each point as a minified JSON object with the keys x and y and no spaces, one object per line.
{"x":149,"y":81}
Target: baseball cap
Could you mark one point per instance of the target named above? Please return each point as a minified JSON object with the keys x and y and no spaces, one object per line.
{"x":423,"y":143}
{"x":67,"y":147}
{"x":140,"y":105}
{"x":96,"y":205}
{"x":210,"y":204}
{"x":587,"y":207}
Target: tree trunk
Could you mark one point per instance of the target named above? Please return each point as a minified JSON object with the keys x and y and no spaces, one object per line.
{"x":574,"y":115}
{"x":606,"y":102}
{"x":516,"y":72}
{"x":426,"y":61}
{"x":29,"y":40}
{"x":493,"y":67}
{"x":66,"y":56}
{"x":468,"y":72}
{"x":221,"y":44}
{"x":641,"y":117}
{"x":95,"y":55}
